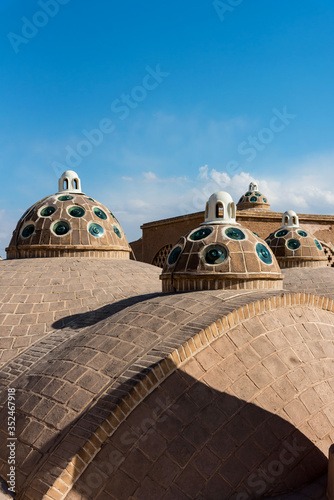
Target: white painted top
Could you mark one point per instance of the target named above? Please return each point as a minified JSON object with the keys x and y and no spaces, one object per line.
{"x":290,"y":219}
{"x":69,"y":182}
{"x":253,"y":187}
{"x":220,"y":209}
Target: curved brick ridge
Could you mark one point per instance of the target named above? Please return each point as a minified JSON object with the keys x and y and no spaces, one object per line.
{"x":116,"y":400}
{"x":35,"y":293}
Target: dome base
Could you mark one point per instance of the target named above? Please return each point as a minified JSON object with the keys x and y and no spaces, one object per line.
{"x":30,"y":252}
{"x":302,"y":262}
{"x":189,"y":283}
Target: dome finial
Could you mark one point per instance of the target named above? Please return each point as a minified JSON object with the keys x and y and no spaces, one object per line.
{"x":220,"y":209}
{"x":69,"y":182}
{"x":253,"y":186}
{"x":290,"y":219}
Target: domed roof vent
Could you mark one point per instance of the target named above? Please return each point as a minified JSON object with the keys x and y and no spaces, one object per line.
{"x":294,"y":246}
{"x":253,"y":199}
{"x":69,"y":182}
{"x":220,"y":209}
{"x":220,"y":254}
{"x":68,"y":224}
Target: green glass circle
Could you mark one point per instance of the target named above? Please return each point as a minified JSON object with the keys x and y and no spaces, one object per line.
{"x":76,"y":211}
{"x":257,"y":194}
{"x":249,"y":193}
{"x":47,"y":211}
{"x":265,"y":200}
{"x":201,"y":233}
{"x":215,"y":254}
{"x":96,"y":230}
{"x":91,"y":199}
{"x":102,"y":215}
{"x":174,"y":255}
{"x":318,"y":244}
{"x":263,"y":253}
{"x":117,"y":231}
{"x":253,"y":199}
{"x":28,"y":231}
{"x":281,"y":233}
{"x":234,"y":233}
{"x":61,"y":228}
{"x":293,"y":244}
{"x":65,"y":197}
{"x":302,"y":233}
{"x":240,"y":199}
{"x":112,"y":215}
{"x":257,"y":235}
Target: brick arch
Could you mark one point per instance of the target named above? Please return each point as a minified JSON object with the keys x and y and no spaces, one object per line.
{"x":155,"y":375}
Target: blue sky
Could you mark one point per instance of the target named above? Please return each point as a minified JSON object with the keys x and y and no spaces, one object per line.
{"x":173,"y":101}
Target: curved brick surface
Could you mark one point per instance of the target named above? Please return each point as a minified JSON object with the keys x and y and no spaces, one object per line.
{"x":37,"y":294}
{"x":72,"y":399}
{"x":250,"y":415}
{"x":305,"y":280}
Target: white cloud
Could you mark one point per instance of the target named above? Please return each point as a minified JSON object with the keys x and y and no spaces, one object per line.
{"x":150,"y":176}
{"x":129,"y":179}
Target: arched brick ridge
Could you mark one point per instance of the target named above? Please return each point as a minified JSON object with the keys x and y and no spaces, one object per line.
{"x":36,"y":293}
{"x":156,"y":372}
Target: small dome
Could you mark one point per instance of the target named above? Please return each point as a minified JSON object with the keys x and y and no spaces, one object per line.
{"x":253,"y":199}
{"x":220,"y":254}
{"x":294,"y":246}
{"x":68,"y":224}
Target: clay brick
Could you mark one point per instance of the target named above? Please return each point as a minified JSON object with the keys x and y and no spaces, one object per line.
{"x":190,"y":481}
{"x":296,"y":411}
{"x":275,"y":366}
{"x":223,"y":346}
{"x":217,"y":379}
{"x":244,"y":388}
{"x":164,"y":471}
{"x":321,"y":426}
{"x":136,"y":465}
{"x":206,"y":462}
{"x":311,"y":400}
{"x":260,"y":376}
{"x":31,"y":432}
{"x":121,"y":486}
{"x":149,"y":490}
{"x":180,"y":451}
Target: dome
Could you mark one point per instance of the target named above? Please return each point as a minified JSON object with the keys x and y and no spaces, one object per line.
{"x":220,"y":254}
{"x":294,"y":246}
{"x":253,"y":199}
{"x":68,"y":224}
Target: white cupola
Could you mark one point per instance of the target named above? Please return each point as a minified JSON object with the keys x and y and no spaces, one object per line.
{"x":70,"y":182}
{"x":220,"y":209}
{"x":253,"y":187}
{"x":290,"y":219}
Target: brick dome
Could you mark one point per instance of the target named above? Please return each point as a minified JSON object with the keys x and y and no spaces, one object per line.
{"x":253,"y":199}
{"x":68,"y":224}
{"x":220,"y":254}
{"x":294,"y":246}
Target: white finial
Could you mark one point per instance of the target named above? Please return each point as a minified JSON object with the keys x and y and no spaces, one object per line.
{"x":290,"y":219}
{"x":69,"y":182}
{"x":220,"y":209}
{"x":253,"y":187}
